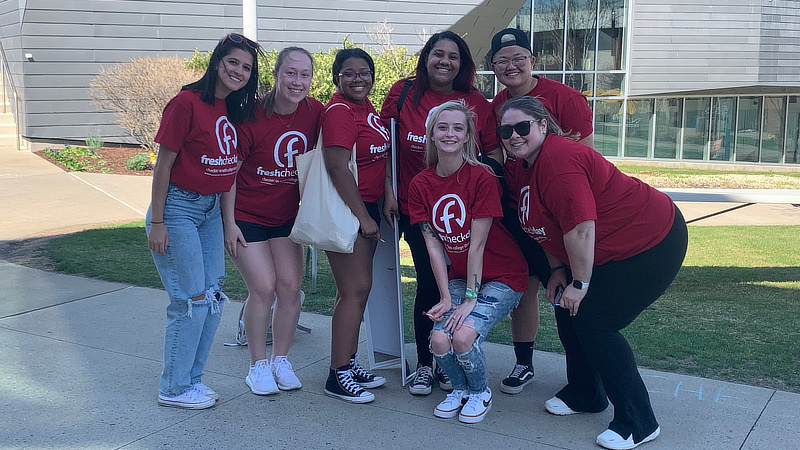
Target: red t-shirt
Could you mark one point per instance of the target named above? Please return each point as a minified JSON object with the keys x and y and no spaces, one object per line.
{"x":266,"y":185}
{"x":571,"y":183}
{"x":204,"y":139}
{"x":450,"y":203}
{"x":359,"y":124}
{"x":411,"y":140}
{"x":568,"y":106}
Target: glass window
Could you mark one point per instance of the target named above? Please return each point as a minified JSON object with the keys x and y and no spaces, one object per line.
{"x":581,"y":34}
{"x":609,"y":84}
{"x":484,"y":82}
{"x":723,"y":128}
{"x":607,"y":121}
{"x":793,"y":131}
{"x":748,"y":129}
{"x":696,"y":128}
{"x":774,"y":127}
{"x":638,"y":126}
{"x":583,"y":82}
{"x":553,"y":76}
{"x":548,"y":34}
{"x":611,"y":51}
{"x":668,"y":127}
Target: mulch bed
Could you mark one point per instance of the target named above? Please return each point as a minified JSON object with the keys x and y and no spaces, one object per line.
{"x":115,"y":158}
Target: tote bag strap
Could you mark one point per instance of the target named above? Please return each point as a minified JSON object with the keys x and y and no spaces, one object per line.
{"x":353,"y":164}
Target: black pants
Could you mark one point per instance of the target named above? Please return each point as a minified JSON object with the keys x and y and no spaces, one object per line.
{"x":427,"y":291}
{"x":600,"y":362}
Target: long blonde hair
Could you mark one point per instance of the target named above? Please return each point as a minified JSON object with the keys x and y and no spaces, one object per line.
{"x":470,"y":150}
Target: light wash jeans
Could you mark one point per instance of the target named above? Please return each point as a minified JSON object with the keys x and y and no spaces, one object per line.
{"x":194,"y":265}
{"x":495,"y":301}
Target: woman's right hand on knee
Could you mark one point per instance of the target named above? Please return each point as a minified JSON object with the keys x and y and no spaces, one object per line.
{"x":436,"y":313}
{"x":158,"y":239}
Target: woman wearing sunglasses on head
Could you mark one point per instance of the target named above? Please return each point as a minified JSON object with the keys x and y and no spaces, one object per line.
{"x":445,"y":71}
{"x":456,"y":201}
{"x":260,"y":211}
{"x":197,"y":162}
{"x":349,"y":120}
{"x":614,"y":245}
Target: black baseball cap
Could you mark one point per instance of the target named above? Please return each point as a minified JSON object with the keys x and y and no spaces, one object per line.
{"x":507,"y":38}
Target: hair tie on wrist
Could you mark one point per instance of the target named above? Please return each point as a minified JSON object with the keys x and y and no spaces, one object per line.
{"x":553,"y":269}
{"x":151,"y":222}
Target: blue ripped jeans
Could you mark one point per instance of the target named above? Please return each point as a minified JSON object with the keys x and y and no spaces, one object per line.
{"x":194,"y":265}
{"x":467,"y":371}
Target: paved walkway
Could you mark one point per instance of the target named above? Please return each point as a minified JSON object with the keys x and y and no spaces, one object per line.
{"x":80,"y":358}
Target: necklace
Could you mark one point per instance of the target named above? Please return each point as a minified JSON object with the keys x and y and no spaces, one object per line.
{"x":291,"y":120}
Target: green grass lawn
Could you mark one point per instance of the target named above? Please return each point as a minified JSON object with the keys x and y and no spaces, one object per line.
{"x":732,"y":313}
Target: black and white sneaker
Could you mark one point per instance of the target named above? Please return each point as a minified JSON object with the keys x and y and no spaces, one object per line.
{"x":363,"y":376}
{"x":517,"y":380}
{"x":443,"y":379}
{"x":423,"y":378}
{"x":341,"y":385}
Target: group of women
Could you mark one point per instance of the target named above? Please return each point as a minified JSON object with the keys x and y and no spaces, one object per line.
{"x":597,"y":226}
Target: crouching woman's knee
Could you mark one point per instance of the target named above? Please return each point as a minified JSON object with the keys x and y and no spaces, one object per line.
{"x":440,"y":342}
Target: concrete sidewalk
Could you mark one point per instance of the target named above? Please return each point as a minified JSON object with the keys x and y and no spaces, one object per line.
{"x":81,"y":358}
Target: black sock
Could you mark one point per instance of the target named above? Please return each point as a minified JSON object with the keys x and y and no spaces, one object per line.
{"x":343,"y":368}
{"x":524,"y":353}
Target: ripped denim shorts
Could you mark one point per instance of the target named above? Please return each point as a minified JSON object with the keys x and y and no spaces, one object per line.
{"x":495,"y":301}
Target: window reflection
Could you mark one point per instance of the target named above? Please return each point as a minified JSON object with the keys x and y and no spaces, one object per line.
{"x":696,"y":128}
{"x":607,"y":127}
{"x":723,"y":128}
{"x":611,"y":43}
{"x":638,"y":126}
{"x":793,"y":131}
{"x":581,"y":34}
{"x":548,"y":34}
{"x":748,"y":130}
{"x":774,"y":127}
{"x":668,"y":127}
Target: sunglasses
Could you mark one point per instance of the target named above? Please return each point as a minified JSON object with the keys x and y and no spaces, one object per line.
{"x":238,"y":39}
{"x":522,"y":129}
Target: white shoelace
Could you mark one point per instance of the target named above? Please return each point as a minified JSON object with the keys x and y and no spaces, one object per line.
{"x":423,"y":376}
{"x":518,"y":369}
{"x":347,"y":382}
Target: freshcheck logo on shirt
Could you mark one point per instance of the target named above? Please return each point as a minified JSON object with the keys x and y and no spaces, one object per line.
{"x":449,"y":208}
{"x":375,"y":122}
{"x":524,"y":203}
{"x":226,"y":136}
{"x":289,"y":145}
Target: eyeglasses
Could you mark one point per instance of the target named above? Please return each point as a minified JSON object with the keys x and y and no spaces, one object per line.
{"x":522,"y":129}
{"x":238,"y":39}
{"x":518,"y":61}
{"x":350,"y":76}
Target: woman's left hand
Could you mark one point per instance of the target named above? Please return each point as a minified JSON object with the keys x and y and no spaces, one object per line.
{"x":571,"y":299}
{"x":454,"y":322}
{"x":233,"y":236}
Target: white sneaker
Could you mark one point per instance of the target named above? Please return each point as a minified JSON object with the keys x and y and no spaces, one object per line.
{"x":284,"y":375}
{"x":557,"y":406}
{"x":260,"y":379}
{"x":476,"y":407}
{"x":199,"y":386}
{"x":191,"y":399}
{"x":610,"y":439}
{"x":451,"y":405}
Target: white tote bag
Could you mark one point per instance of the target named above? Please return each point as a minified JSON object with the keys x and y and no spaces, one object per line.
{"x":324,"y":220}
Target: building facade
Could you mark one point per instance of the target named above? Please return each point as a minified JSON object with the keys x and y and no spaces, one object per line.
{"x":687,"y":80}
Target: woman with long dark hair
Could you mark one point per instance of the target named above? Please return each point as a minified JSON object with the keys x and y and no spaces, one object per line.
{"x":196,"y":163}
{"x":445,"y":71}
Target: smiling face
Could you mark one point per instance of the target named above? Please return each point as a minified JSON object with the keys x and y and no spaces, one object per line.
{"x":528,"y":146}
{"x":442,"y":64}
{"x":513,"y":65}
{"x":355,"y":80}
{"x":450,"y":132}
{"x":293,"y":79}
{"x":233,"y":72}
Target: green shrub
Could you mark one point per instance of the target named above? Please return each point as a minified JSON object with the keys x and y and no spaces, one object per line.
{"x":77,"y":159}
{"x":140,"y":161}
{"x":94,"y":142}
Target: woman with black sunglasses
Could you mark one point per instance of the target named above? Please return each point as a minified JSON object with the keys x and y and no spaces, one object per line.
{"x":614,"y":245}
{"x":445,"y":71}
{"x":350,"y":123}
{"x":197,"y":161}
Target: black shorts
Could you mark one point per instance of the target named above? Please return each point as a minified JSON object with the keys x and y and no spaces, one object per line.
{"x":254,"y":232}
{"x":374,"y":212}
{"x":538,"y":265}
